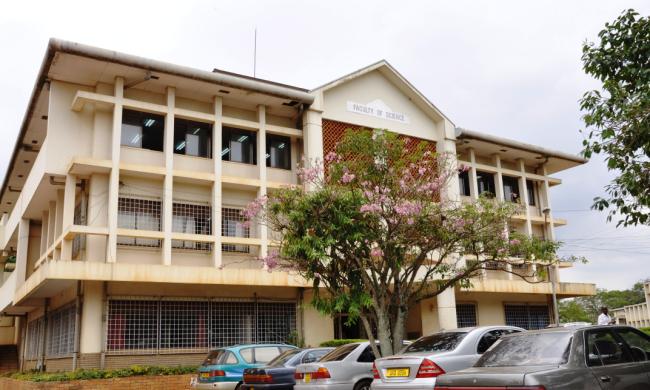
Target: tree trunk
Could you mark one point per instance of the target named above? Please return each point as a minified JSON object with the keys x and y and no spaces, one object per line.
{"x":384,"y":330}
{"x":399,"y":328}
{"x":371,"y":337}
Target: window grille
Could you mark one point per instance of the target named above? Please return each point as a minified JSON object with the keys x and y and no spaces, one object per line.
{"x":527,"y":316}
{"x":60,"y":332}
{"x":466,"y":315}
{"x":34,"y":345}
{"x":138,"y":214}
{"x":148,"y":326}
{"x":232,"y":225}
{"x":191,"y":218}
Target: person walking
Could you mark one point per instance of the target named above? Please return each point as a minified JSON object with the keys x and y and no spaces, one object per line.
{"x":604,"y":318}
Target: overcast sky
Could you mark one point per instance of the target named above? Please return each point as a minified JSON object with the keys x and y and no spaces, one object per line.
{"x":508,"y":68}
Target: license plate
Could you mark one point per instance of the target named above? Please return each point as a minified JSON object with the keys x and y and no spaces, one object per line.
{"x":307,"y":378}
{"x":205,"y":375}
{"x":397,"y":372}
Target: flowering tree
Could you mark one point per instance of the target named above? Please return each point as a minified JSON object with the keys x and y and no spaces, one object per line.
{"x":377,"y":232}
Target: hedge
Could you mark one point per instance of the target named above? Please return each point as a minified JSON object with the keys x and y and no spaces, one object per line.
{"x":339,"y":342}
{"x":82,"y":374}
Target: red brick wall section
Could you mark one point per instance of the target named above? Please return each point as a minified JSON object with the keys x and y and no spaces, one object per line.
{"x":180,"y":382}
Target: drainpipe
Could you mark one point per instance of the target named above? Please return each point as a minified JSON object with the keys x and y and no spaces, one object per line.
{"x":77,"y":327}
{"x":42,"y":366}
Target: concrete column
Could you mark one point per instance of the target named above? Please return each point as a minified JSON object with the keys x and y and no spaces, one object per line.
{"x":524,"y":195}
{"x":168,"y":186}
{"x":498,"y":185}
{"x":22,"y":246}
{"x":51,"y":222}
{"x":312,"y":135}
{"x":58,"y":224}
{"x":91,"y":318}
{"x":550,"y":228}
{"x":97,"y":216}
{"x":261,"y":163}
{"x":44,"y":227}
{"x":452,"y":191}
{"x":320,"y":327}
{"x":114,"y":179}
{"x":216,"y":186}
{"x":68,"y":214}
{"x":447,"y":309}
{"x":473,"y":184}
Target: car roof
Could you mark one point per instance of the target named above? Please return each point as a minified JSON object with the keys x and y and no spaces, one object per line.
{"x":474,"y":328}
{"x":569,"y":329}
{"x":243,"y":346}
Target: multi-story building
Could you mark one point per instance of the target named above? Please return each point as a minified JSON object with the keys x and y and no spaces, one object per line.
{"x":121,"y":228}
{"x":635,"y":315}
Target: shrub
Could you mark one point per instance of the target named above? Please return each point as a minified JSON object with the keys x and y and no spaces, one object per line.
{"x":646,"y":330}
{"x":339,"y":342}
{"x":82,"y":374}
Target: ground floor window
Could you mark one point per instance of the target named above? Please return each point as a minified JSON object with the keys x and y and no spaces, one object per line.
{"x":195,"y":325}
{"x":34,"y":343}
{"x":466,"y":315}
{"x":53,"y":334}
{"x":527,"y":316}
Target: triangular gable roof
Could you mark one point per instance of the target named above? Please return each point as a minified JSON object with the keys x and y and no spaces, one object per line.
{"x":388,"y":71}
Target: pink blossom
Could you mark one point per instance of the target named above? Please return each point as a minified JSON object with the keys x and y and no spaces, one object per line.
{"x":270,"y":261}
{"x":347,"y":177}
{"x":254,"y":208}
{"x":376,"y":252}
{"x":309,"y":174}
{"x":459,"y":223}
{"x":331,"y":156}
{"x":515,"y":241}
{"x":370,"y":208}
{"x":408,"y":208}
{"x":410,"y":221}
{"x":422,"y":171}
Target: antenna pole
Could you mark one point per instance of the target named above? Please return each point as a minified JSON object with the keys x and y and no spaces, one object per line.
{"x":255,"y":53}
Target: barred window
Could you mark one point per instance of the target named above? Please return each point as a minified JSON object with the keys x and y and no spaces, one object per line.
{"x":466,"y":315}
{"x":195,"y":325}
{"x":191,"y":218}
{"x":527,"y":316}
{"x":60,"y":332}
{"x":34,"y":347}
{"x":232,"y":225}
{"x":138,"y":214}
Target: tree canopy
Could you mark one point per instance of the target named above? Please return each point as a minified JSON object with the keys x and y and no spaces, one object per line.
{"x":617,"y":116}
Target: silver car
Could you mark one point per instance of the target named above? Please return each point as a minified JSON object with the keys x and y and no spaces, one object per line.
{"x":348,"y":367}
{"x":594,"y":358}
{"x":418,"y":365}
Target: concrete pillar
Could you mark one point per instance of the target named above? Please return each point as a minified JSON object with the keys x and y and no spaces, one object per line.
{"x":452,"y":191}
{"x":498,"y":185}
{"x":58,"y":224}
{"x":261,"y":163}
{"x":319,"y":327}
{"x":429,"y":316}
{"x":97,"y":216}
{"x":446,"y":303}
{"x":68,"y":214}
{"x":216,"y":186}
{"x":114,"y":179}
{"x":168,"y":186}
{"x":91,"y":318}
{"x":51,"y":222}
{"x":22,"y":248}
{"x":44,"y":227}
{"x":524,"y":196}
{"x":473,"y":184}
{"x":312,"y":135}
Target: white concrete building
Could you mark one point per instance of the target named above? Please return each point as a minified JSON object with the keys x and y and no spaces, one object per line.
{"x":637,"y":315}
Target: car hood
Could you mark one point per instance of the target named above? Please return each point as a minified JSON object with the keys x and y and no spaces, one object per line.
{"x":490,"y":376}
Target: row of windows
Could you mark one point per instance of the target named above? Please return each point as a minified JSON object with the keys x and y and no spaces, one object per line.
{"x":59,"y":335}
{"x":485,"y":184}
{"x":524,"y":316}
{"x":146,"y":131}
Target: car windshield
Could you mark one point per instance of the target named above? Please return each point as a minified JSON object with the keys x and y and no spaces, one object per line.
{"x":283,"y":358}
{"x":213,"y":357}
{"x":535,"y":349}
{"x":439,"y":342}
{"x":339,"y":353}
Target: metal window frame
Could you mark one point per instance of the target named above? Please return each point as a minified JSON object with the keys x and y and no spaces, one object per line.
{"x":459,"y":314}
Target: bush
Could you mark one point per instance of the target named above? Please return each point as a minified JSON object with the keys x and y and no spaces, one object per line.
{"x":82,"y":374}
{"x":339,"y":342}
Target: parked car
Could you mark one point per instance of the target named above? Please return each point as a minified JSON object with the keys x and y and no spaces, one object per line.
{"x":348,"y":367}
{"x":418,"y":365}
{"x":594,"y":357}
{"x":279,"y":373}
{"x":223,"y":368}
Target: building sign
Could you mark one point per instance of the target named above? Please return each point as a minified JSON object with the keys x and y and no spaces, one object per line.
{"x":377,"y":109}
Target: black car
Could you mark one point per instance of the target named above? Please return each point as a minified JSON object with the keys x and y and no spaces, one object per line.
{"x":279,"y":373}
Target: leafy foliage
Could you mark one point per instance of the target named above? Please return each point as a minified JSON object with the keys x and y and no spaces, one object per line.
{"x":339,"y":342}
{"x":377,"y":233}
{"x":83,"y":374}
{"x":618,"y":115}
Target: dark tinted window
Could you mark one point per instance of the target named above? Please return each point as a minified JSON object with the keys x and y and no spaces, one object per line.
{"x":604,"y":349}
{"x":214,"y":357}
{"x":192,"y":138}
{"x":314,"y":355}
{"x":463,"y":182}
{"x":284,"y":358}
{"x":143,"y":130}
{"x":530,"y":187}
{"x":485,"y":182}
{"x":278,"y":152}
{"x":510,"y":189}
{"x":239,"y":145}
{"x":367,"y":356}
{"x":339,"y":353}
{"x":528,"y":350}
{"x":638,"y":343}
{"x":437,"y":342}
{"x":491,"y":337}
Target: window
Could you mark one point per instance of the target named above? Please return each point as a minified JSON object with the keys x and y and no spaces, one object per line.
{"x":138,"y":214}
{"x":527,"y":316}
{"x":510,"y":189}
{"x":265,"y":354}
{"x":191,"y":218}
{"x":278,"y":152}
{"x":34,"y":347}
{"x":183,"y":325}
{"x":638,"y":342}
{"x":239,"y":145}
{"x":232,"y":225}
{"x":463,"y":182}
{"x":530,"y":188}
{"x":60,"y":332}
{"x":143,"y":130}
{"x":491,"y":337}
{"x":604,"y":350}
{"x":132,"y":325}
{"x":535,"y":349}
{"x":315,"y":355}
{"x":438,"y":342}
{"x":192,"y":138}
{"x":485,"y":182}
{"x":367,"y":356}
{"x":339,"y":353}
{"x":466,"y":315}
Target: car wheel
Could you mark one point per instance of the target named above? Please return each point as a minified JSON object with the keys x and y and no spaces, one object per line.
{"x":238,"y":387}
{"x":363,"y":385}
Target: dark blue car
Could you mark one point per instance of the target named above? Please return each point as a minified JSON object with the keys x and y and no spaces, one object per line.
{"x":279,"y":373}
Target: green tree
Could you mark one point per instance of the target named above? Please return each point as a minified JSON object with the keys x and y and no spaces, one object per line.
{"x":572,"y":311}
{"x":377,"y":233}
{"x":611,"y":299}
{"x":617,"y":116}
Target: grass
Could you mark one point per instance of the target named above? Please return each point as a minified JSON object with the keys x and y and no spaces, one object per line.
{"x":82,"y":374}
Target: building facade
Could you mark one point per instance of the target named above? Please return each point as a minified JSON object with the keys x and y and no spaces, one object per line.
{"x":121,"y":230}
{"x":637,"y":315}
